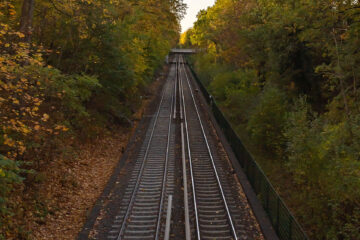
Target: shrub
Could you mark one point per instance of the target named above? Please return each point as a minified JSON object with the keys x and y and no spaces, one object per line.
{"x":241,"y":95}
{"x":324,"y":159}
{"x":267,"y":120}
{"x":9,"y":175}
{"x":66,"y":95}
{"x":207,"y":68}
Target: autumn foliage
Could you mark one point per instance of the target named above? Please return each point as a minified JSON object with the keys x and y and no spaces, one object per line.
{"x":69,"y":69}
{"x":286,"y":73}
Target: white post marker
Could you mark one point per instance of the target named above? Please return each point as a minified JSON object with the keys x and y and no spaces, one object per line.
{"x":168,"y":218}
{"x":186,"y":203}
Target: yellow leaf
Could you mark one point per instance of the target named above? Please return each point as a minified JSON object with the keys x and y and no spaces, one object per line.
{"x":9,"y":142}
{"x":2,"y":173}
{"x":45,"y":117}
{"x":25,"y":130}
{"x":22,"y":149}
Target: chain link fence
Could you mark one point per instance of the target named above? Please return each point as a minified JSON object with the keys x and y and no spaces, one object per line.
{"x":284,"y":223}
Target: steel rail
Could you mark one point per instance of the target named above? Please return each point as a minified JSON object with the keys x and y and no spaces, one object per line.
{"x":165,"y":168}
{"x":186,"y":202}
{"x":176,"y":79}
{"x":122,"y":229}
{"x":212,"y":159}
{"x":180,"y":99}
{"x":168,"y":218}
{"x":190,"y":162}
{"x":183,"y":158}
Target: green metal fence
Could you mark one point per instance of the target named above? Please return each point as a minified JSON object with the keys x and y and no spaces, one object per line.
{"x":284,"y":223}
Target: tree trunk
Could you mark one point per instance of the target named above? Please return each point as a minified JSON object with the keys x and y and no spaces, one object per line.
{"x":26,"y":19}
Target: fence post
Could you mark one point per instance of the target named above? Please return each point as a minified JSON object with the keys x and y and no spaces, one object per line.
{"x":267,"y":196}
{"x":277,"y":215}
{"x":290,"y":228}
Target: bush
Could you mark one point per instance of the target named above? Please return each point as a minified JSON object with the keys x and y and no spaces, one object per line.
{"x":207,"y":68}
{"x":9,"y":175}
{"x":267,"y":120}
{"x":66,"y":95}
{"x":324,"y":159}
{"x":241,"y":94}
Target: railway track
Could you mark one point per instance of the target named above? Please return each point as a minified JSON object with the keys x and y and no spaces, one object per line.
{"x":152,"y":180}
{"x":213,"y":218}
{"x":210,"y":207}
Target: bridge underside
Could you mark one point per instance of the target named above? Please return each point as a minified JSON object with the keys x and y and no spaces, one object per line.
{"x":183,"y":51}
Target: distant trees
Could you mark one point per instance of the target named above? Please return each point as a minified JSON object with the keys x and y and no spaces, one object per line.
{"x":286,"y":72}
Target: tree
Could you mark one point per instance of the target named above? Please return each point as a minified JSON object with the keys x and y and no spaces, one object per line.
{"x":26,"y":19}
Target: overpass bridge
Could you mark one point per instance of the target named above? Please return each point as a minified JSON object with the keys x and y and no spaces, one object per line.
{"x":175,"y":52}
{"x":183,"y":51}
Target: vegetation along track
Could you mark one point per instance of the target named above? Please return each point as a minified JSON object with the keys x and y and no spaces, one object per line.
{"x":211,"y":203}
